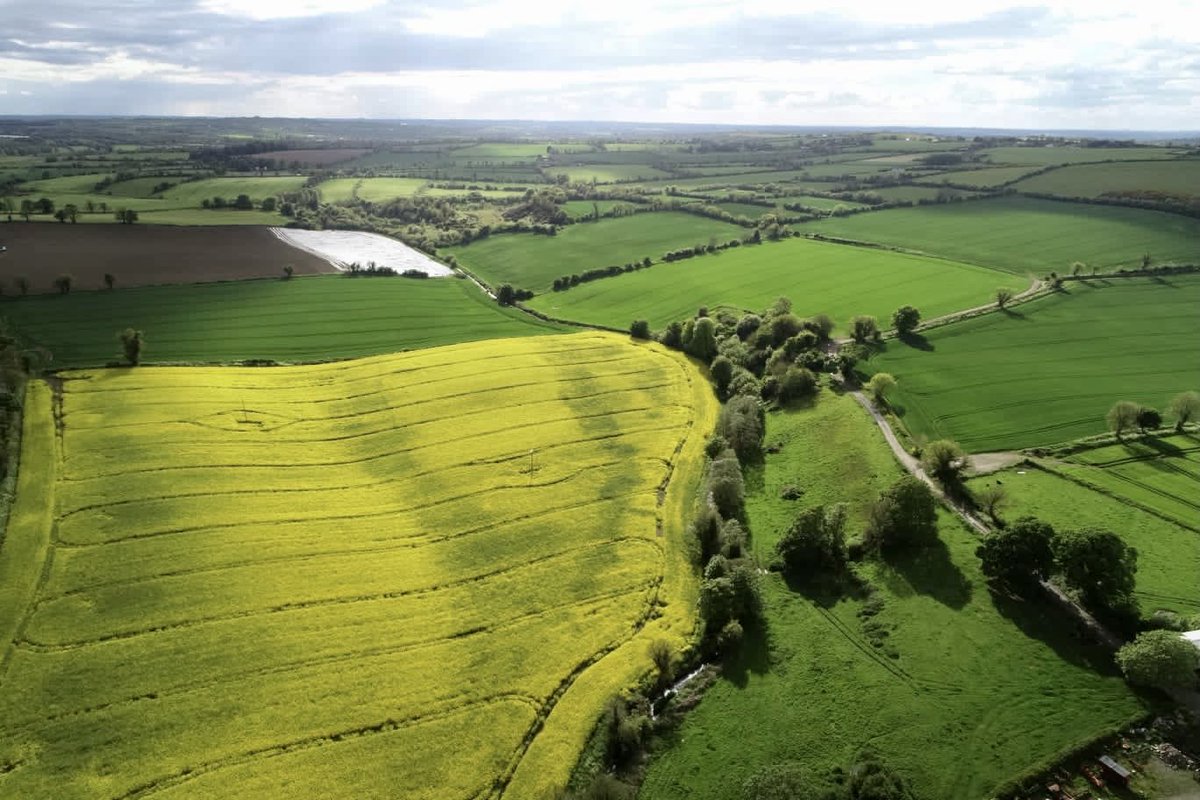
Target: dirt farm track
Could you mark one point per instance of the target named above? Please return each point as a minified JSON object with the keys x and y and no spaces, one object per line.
{"x":139,"y":255}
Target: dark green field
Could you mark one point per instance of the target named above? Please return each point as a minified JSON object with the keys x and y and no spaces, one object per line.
{"x":304,"y":319}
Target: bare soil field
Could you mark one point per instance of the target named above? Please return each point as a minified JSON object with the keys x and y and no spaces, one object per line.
{"x":313,"y":158}
{"x":141,"y":255}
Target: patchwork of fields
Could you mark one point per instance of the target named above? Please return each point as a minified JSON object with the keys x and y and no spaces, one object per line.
{"x":819,"y":277}
{"x":532,"y":261}
{"x":1049,"y":370}
{"x":980,"y":688}
{"x":261,"y":581}
{"x":1024,"y":235}
{"x":304,"y":319}
{"x":1094,"y":180}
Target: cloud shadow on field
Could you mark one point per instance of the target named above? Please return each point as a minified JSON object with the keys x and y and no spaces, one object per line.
{"x":929,"y":571}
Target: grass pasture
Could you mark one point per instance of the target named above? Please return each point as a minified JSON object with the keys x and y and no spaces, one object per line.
{"x":1049,"y":370}
{"x":261,"y":580}
{"x":533,"y":261}
{"x":1071,"y":154}
{"x":1168,"y":575}
{"x":1161,"y":474}
{"x":608,"y":173}
{"x":304,"y":319}
{"x":1095,"y":180}
{"x":138,"y":255}
{"x":819,"y":277}
{"x":988,"y":178}
{"x":969,"y":691}
{"x":1025,"y":235}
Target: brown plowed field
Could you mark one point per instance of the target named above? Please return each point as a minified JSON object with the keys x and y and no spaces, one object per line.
{"x":138,"y":255}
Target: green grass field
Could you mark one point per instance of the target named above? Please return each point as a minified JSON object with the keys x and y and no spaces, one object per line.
{"x":1168,"y":575}
{"x":1093,"y":180}
{"x":1024,"y":235}
{"x":825,"y":203}
{"x":533,"y":261}
{"x":1044,"y":156}
{"x":983,"y":178}
{"x":1049,"y":370}
{"x":304,"y":319}
{"x":917,"y":193}
{"x":608,"y":173}
{"x":819,"y":277}
{"x":582,"y":209}
{"x":1161,"y":474}
{"x":343,"y":580}
{"x":980,"y":690}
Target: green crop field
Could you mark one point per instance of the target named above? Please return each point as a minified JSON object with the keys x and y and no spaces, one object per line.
{"x":608,"y":173}
{"x":983,"y":178}
{"x":828,"y":203}
{"x":345,"y":580}
{"x":977,"y":689}
{"x":747,"y":210}
{"x":583,"y":209}
{"x":819,"y":277}
{"x":1168,"y":574}
{"x":915,"y":194}
{"x":1046,"y":156}
{"x":304,"y":319}
{"x":1160,"y":474}
{"x":1049,"y":370}
{"x":533,"y":261}
{"x":192,"y":193}
{"x":1094,"y":180}
{"x":1024,"y":235}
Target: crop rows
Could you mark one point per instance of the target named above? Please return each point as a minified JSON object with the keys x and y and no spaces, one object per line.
{"x":259,"y":577}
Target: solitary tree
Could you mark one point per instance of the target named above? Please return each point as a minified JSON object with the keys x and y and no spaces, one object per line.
{"x":864,"y":329}
{"x":63,"y":283}
{"x":1146,"y":260}
{"x":1003,"y":296}
{"x":906,"y":319}
{"x":905,"y":514}
{"x":815,"y":541}
{"x":1185,"y":407}
{"x":944,"y":460}
{"x":72,"y":211}
{"x":109,"y":280}
{"x":1098,"y":564}
{"x":505,"y":295}
{"x":1162,"y":659}
{"x":1077,"y":268}
{"x":27,"y":209}
{"x":880,"y":384}
{"x":1122,"y":416}
{"x":132,"y":343}
{"x":1019,"y":554}
{"x":797,"y":383}
{"x":640,"y":329}
{"x":22,"y":285}
{"x":288,"y":270}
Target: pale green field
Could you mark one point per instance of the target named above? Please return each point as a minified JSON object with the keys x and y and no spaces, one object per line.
{"x":1093,"y":180}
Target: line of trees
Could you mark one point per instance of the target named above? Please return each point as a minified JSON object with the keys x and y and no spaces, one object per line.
{"x":1125,"y":415}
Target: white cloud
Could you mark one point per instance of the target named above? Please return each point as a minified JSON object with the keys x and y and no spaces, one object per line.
{"x":285,"y":9}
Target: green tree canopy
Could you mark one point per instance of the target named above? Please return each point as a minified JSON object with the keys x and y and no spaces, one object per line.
{"x":905,"y":514}
{"x":1162,"y":659}
{"x":1019,"y":554}
{"x":1098,"y":564}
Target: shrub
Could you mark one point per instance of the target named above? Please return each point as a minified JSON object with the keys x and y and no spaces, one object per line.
{"x":707,"y":530}
{"x":640,"y":329}
{"x":1162,"y":659}
{"x":797,"y":383}
{"x":815,"y":541}
{"x":1019,"y":554}
{"x":864,"y":329}
{"x":131,"y":344}
{"x":905,"y":514}
{"x":730,"y":637}
{"x":906,"y":319}
{"x":880,"y":384}
{"x":944,"y":460}
{"x":733,"y":539}
{"x":722,"y":373}
{"x":783,"y":327}
{"x":1148,"y":419}
{"x":1122,"y":416}
{"x":743,"y":424}
{"x":747,"y":325}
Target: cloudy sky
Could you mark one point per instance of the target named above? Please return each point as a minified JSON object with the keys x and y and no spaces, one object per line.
{"x":1072,"y":64}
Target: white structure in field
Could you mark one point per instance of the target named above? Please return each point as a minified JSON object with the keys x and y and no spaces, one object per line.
{"x":1193,"y":637}
{"x":343,"y":248}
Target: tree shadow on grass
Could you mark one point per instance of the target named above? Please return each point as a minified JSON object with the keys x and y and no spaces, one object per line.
{"x":916,"y":341}
{"x":1012,"y":314}
{"x":752,"y":656}
{"x":1038,"y":617}
{"x":929,"y":571}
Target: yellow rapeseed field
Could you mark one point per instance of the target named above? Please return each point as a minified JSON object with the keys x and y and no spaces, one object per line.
{"x":411,"y":576}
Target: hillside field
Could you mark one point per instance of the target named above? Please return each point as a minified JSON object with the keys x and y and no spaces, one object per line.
{"x":257,"y":581}
{"x":533,"y":261}
{"x":1168,"y":574}
{"x":819,"y":277}
{"x":1094,"y":180}
{"x":1048,"y":371}
{"x":141,"y":255}
{"x":968,"y":689}
{"x":1024,"y":235}
{"x":304,"y":319}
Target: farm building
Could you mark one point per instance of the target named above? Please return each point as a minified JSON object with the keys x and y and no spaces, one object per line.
{"x":1114,"y":771}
